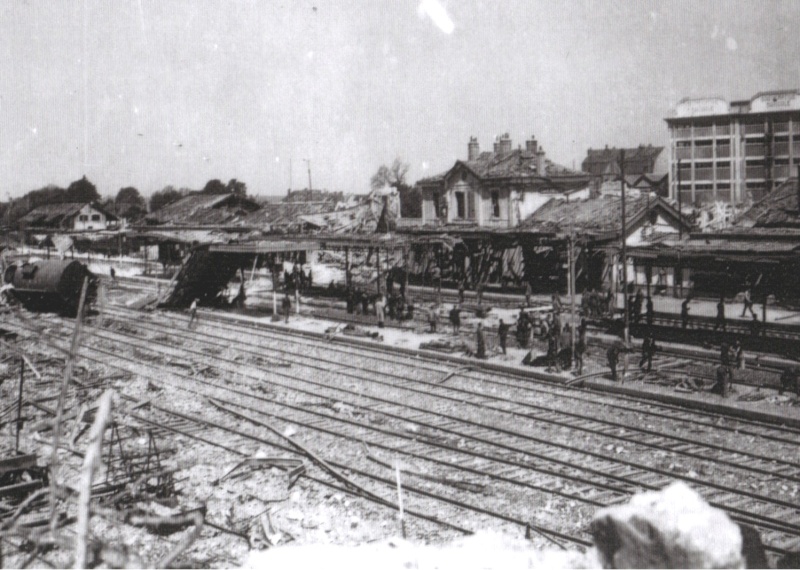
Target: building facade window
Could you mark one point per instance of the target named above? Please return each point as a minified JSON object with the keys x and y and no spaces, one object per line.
{"x":495,"y":204}
{"x":461,"y":210}
{"x":95,"y":217}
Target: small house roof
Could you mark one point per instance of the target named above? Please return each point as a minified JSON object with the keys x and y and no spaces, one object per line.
{"x":54,"y":214}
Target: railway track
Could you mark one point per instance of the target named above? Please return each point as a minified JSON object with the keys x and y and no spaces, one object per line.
{"x":518,"y":458}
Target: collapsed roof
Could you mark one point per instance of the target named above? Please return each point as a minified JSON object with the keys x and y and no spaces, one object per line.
{"x":778,"y":209}
{"x":205,"y":210}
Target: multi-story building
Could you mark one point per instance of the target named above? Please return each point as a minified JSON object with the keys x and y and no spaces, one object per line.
{"x":730,"y":152}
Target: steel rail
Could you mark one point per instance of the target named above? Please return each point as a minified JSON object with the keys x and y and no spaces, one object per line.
{"x":485,"y":377}
{"x":669,"y":475}
{"x":555,"y":421}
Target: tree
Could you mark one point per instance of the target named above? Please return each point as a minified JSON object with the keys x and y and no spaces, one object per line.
{"x":214,"y":186}
{"x":395,"y":177}
{"x":82,"y":191}
{"x":129,"y":203}
{"x":236,"y":187}
{"x":161,"y":198}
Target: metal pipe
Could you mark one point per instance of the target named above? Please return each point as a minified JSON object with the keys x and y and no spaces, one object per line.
{"x":680,"y":203}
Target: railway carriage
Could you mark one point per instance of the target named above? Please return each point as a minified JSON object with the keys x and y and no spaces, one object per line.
{"x":51,"y":285}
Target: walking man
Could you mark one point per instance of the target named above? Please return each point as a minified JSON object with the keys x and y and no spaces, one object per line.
{"x":648,"y":350}
{"x":748,"y":303}
{"x":738,"y":353}
{"x":193,"y":312}
{"x":720,"y":320}
{"x":502,"y":335}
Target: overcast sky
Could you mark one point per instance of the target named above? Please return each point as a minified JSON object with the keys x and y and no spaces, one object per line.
{"x":155,"y":92}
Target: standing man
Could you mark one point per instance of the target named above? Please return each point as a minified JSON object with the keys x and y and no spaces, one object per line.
{"x":650,"y":313}
{"x":455,"y":319}
{"x":286,"y":305}
{"x":580,"y":347}
{"x":479,"y":291}
{"x":461,"y":292}
{"x":648,"y":350}
{"x":612,"y":355}
{"x":113,"y":273}
{"x":528,"y":293}
{"x":480,"y":343}
{"x":193,"y":312}
{"x":738,"y":353}
{"x":380,"y":307}
{"x":637,"y":306}
{"x":502,"y":335}
{"x":720,"y":320}
{"x":433,"y":319}
{"x":723,"y":385}
{"x":685,"y":312}
{"x":755,"y":326}
{"x":748,"y":303}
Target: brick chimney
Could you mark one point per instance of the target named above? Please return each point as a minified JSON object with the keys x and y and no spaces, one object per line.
{"x":505,"y":144}
{"x":473,"y":149}
{"x":531,"y":145}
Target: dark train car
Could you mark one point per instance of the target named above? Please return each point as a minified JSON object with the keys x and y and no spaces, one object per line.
{"x":51,"y":285}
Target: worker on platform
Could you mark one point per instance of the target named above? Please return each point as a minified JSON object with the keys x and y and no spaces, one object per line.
{"x":433,"y":319}
{"x":461,"y":293}
{"x":650,"y":313}
{"x":193,"y":312}
{"x":580,"y":348}
{"x":685,"y":312}
{"x":719,"y":322}
{"x":113,"y":273}
{"x":528,"y":293}
{"x":455,"y":319}
{"x":380,"y":311}
{"x":556,"y":303}
{"x":738,"y":354}
{"x":286,"y":306}
{"x":480,"y":342}
{"x":723,"y":384}
{"x":479,"y":292}
{"x":725,"y":354}
{"x":502,"y":335}
{"x":748,"y":303}
{"x":612,"y":355}
{"x":649,"y":349}
{"x":552,"y":350}
{"x":789,"y":380}
{"x":755,"y":326}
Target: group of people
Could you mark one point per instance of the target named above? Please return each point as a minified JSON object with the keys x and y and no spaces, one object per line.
{"x":720,"y":320}
{"x":596,"y":304}
{"x":298,"y":279}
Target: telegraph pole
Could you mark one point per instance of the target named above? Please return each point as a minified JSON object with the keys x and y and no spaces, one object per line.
{"x":308,"y":163}
{"x":572,"y":290}
{"x":624,"y":248}
{"x":680,"y":203}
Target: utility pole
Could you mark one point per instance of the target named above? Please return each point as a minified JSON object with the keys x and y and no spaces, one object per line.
{"x":290,"y":177}
{"x":308,"y":163}
{"x":680,"y":203}
{"x":624,"y":248}
{"x":572,"y":289}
